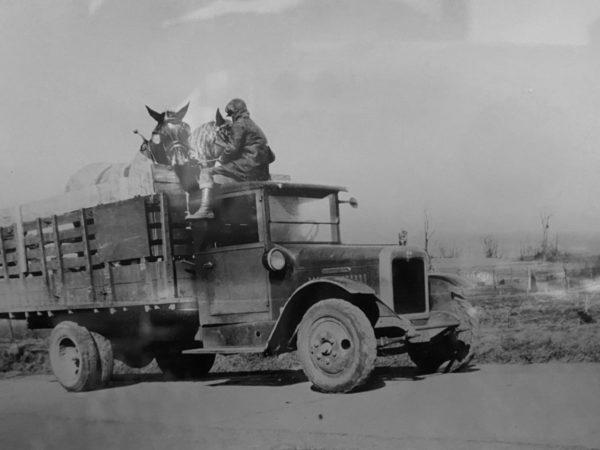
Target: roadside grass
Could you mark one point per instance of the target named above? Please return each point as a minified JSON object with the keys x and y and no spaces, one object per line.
{"x":537,"y":329}
{"x":514,"y":329}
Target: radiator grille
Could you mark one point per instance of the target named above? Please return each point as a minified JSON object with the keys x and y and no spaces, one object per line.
{"x":409,"y":287}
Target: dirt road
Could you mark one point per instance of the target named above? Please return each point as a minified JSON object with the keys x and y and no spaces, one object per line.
{"x":491,"y":407}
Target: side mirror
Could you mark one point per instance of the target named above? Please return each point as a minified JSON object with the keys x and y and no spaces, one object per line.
{"x":351,"y":201}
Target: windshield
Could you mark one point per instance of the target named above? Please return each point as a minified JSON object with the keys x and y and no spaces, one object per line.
{"x":303,"y":219}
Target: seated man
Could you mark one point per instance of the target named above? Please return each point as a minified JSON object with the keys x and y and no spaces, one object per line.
{"x":245,"y":158}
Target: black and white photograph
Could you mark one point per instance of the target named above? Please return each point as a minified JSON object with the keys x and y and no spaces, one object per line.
{"x":300,"y":224}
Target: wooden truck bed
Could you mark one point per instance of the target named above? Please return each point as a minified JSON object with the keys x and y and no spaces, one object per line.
{"x":115,"y":254}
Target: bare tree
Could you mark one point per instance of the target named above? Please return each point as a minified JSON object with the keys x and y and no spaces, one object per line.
{"x":490,"y":247}
{"x":545,"y":250}
{"x":428,"y":233}
{"x":545,"y":222}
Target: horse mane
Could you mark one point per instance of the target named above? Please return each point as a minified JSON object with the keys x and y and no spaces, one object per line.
{"x":202,"y":140}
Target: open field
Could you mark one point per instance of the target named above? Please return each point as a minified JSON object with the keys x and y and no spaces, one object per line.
{"x":515,"y":328}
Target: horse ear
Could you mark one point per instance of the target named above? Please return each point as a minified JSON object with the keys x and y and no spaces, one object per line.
{"x":219,"y":120}
{"x":181,"y":113}
{"x":159,"y":117}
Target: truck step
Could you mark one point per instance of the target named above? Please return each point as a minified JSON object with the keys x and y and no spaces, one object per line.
{"x":224,"y":350}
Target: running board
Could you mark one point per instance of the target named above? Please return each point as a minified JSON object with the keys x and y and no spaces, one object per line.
{"x":224,"y":350}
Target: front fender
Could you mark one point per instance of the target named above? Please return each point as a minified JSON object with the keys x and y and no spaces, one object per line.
{"x":351,"y":286}
{"x":444,"y":287}
{"x":310,"y":293}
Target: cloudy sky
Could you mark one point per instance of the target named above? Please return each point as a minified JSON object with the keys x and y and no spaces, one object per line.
{"x":483,"y":113}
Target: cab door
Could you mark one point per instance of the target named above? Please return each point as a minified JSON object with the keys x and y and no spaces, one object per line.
{"x":231,"y":275}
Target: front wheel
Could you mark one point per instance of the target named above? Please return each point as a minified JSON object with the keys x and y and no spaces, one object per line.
{"x":452,"y":350}
{"x":336,"y":345}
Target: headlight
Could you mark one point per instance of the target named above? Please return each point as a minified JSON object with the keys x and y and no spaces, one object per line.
{"x":275,"y":260}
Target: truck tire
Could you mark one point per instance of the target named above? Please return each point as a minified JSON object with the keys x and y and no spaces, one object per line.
{"x":179,"y":366}
{"x":137,"y":360}
{"x":134,"y":353}
{"x":336,"y":345}
{"x":106,"y":359}
{"x":456,"y":347}
{"x":74,"y":357}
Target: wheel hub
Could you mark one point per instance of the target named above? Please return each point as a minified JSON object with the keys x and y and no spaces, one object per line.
{"x":331,"y":346}
{"x":69,"y":360}
{"x":325,"y":348}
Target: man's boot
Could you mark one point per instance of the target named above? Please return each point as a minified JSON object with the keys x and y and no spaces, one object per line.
{"x":205,"y":211}
{"x":193,"y":201}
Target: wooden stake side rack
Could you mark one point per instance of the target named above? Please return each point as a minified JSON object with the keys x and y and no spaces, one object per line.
{"x":123,"y":245}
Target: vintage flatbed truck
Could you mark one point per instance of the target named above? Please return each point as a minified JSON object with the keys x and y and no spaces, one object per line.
{"x":131,"y":279}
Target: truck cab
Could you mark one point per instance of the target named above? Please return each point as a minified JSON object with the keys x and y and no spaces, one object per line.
{"x":247,"y":257}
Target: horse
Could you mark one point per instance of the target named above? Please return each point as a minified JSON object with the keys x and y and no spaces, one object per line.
{"x":171,"y":144}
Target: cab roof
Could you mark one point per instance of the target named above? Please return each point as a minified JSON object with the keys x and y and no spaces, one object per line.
{"x":275,"y":186}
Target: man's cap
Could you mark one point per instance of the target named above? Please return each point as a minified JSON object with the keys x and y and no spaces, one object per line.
{"x":234,"y":106}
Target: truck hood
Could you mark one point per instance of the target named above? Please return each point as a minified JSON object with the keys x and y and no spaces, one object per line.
{"x":333,"y":256}
{"x":357,"y":262}
{"x":307,"y":255}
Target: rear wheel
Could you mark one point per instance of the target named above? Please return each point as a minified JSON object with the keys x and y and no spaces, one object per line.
{"x":137,"y":360}
{"x":105,"y":357}
{"x":179,"y":366}
{"x":336,"y":345}
{"x":133,"y":352}
{"x":74,"y":357}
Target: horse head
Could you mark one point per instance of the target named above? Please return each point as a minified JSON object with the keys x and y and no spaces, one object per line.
{"x":208,"y":139}
{"x":172,"y":143}
{"x":170,"y":139}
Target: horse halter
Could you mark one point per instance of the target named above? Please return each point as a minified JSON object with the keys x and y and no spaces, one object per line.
{"x":174,"y":138}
